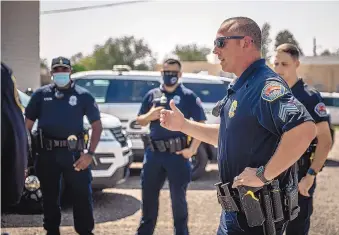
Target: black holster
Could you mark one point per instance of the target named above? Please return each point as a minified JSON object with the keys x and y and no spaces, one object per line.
{"x":171,"y":145}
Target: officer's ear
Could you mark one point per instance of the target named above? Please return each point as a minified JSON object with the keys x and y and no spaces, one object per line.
{"x":297,"y":63}
{"x":179,"y":74}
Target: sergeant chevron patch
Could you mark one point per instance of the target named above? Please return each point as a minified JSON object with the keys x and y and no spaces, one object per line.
{"x":272,"y":91}
{"x":286,"y":109}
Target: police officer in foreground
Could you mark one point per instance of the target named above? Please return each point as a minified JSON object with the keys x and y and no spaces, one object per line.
{"x":286,"y":62}
{"x":263,"y":131}
{"x":167,"y":153}
{"x":59,"y":109}
{"x":13,"y":141}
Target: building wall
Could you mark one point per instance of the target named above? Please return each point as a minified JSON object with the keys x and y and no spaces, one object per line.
{"x":20,"y":41}
{"x":324,"y":77}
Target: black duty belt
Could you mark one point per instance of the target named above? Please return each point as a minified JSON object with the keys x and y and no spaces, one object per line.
{"x":263,"y":206}
{"x":50,"y":144}
{"x":171,"y":145}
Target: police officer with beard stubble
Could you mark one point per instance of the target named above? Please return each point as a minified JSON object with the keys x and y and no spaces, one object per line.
{"x":60,"y":108}
{"x":167,"y":153}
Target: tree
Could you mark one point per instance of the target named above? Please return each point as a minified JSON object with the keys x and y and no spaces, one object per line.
{"x":191,"y":52}
{"x":326,"y":53}
{"x":286,"y":36}
{"x":43,"y":64}
{"x":126,"y":50}
{"x":266,"y":41}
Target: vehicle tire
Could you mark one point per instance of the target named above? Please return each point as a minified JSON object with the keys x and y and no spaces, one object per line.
{"x":199,"y":162}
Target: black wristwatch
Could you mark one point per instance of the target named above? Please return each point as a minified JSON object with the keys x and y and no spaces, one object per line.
{"x":90,"y":153}
{"x":260,"y":175}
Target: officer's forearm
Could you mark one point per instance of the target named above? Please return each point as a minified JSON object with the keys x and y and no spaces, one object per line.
{"x":207,"y":133}
{"x":29,"y":124}
{"x":323,"y":146}
{"x":292,"y":146}
{"x":195,"y":145}
{"x":144,"y":119}
{"x":95,"y":137}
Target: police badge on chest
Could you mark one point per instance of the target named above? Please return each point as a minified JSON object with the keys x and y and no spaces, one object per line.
{"x":72,"y":100}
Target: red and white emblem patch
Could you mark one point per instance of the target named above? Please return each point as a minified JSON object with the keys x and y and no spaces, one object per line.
{"x":320,"y":109}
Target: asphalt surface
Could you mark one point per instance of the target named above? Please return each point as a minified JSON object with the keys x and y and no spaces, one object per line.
{"x":117,"y":210}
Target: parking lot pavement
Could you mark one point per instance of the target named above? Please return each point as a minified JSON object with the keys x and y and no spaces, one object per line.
{"x":117,"y":211}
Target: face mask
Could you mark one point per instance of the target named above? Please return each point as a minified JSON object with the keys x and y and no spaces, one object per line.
{"x":170,"y":78}
{"x":61,"y":79}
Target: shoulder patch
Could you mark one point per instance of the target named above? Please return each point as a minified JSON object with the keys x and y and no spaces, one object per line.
{"x":320,"y":109}
{"x":272,"y":91}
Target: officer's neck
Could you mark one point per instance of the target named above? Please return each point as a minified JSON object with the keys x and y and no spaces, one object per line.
{"x":170,"y":89}
{"x":292,"y":81}
{"x":246,"y":62}
{"x":65,"y":87}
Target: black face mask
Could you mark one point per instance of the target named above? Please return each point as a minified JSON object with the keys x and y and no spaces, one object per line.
{"x":170,"y":78}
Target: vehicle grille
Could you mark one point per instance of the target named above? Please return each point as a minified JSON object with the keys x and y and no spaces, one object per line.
{"x":117,"y":132}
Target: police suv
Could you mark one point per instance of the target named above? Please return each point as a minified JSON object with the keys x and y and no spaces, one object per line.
{"x":331,"y":100}
{"x":120,"y":92}
{"x":113,"y":154}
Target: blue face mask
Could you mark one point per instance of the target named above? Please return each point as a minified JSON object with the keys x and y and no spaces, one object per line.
{"x":61,"y":79}
{"x":170,"y":78}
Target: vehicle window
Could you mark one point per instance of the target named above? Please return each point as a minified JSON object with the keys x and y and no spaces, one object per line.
{"x":117,"y":91}
{"x":208,"y":93}
{"x":24,"y":99}
{"x":331,"y":101}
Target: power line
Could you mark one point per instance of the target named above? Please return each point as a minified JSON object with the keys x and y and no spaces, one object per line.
{"x":89,"y":7}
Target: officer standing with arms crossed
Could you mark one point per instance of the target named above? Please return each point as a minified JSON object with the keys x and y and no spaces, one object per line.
{"x":167,"y":153}
{"x":260,"y":121}
{"x":286,"y":62}
{"x":60,"y":108}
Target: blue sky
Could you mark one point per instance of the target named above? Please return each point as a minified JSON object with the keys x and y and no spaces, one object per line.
{"x":163,"y":24}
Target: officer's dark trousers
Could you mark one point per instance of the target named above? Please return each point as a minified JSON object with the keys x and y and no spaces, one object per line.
{"x":235,"y":224}
{"x":155,"y":169}
{"x":50,"y":166}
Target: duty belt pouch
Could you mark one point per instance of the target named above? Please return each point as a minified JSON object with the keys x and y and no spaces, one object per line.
{"x":160,"y":145}
{"x":178,"y":144}
{"x":251,"y":206}
{"x":225,"y":199}
{"x":278,"y":212}
{"x":146,"y":139}
{"x":172,"y":146}
{"x":291,"y":202}
{"x":269,"y":226}
{"x":291,"y":195}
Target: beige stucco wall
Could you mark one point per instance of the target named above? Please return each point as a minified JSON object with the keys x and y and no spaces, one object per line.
{"x":325,"y":77}
{"x":20,"y":41}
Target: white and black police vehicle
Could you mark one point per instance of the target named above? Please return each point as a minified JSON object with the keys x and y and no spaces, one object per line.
{"x":113,"y":155}
{"x":120,"y":92}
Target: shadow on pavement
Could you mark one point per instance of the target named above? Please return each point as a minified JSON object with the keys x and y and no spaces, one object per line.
{"x":206,"y":182}
{"x":107,"y":207}
{"x":331,"y":163}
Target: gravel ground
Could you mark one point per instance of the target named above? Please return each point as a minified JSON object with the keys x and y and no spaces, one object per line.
{"x":117,"y":210}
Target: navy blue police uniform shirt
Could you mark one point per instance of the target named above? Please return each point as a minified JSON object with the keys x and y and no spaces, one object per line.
{"x":186,"y":101}
{"x":258,"y":109}
{"x":312,"y":101}
{"x":60,"y":118}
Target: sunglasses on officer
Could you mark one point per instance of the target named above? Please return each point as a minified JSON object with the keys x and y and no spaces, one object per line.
{"x":220,"y":41}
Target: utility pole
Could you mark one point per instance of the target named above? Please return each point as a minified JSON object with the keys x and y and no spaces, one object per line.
{"x":314,"y":46}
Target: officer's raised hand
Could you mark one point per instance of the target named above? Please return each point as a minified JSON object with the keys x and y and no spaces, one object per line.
{"x":172,"y":119}
{"x":83,"y":162}
{"x":154,"y":113}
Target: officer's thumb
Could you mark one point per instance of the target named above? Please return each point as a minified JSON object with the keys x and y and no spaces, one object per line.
{"x":173,"y":107}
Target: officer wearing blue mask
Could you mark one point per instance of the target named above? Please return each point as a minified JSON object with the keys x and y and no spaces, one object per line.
{"x":167,"y":153}
{"x":286,"y":62}
{"x":59,"y":109}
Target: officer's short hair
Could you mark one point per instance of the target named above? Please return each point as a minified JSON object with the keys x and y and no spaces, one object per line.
{"x":172,"y":61}
{"x":245,"y":27}
{"x":290,"y":49}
